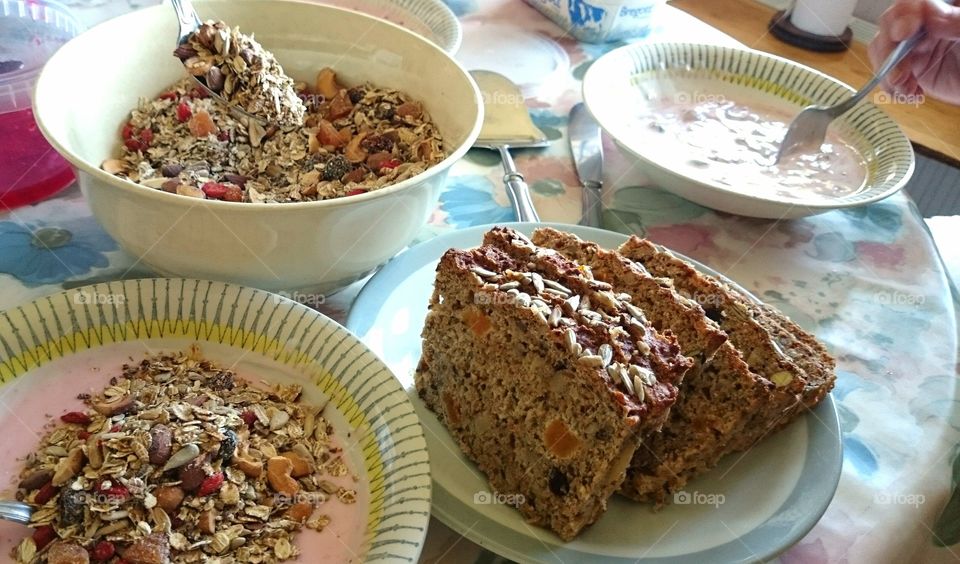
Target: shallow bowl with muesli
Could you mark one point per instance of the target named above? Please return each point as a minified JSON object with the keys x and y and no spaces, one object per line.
{"x":295,"y":223}
{"x":171,"y":420}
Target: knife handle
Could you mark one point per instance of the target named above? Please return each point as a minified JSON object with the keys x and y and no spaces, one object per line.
{"x":517,"y":189}
{"x":592,"y":204}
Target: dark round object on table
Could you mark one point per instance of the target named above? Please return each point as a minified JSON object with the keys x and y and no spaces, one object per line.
{"x":783,"y":29}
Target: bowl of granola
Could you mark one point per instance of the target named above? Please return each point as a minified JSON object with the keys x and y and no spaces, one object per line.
{"x":155,"y":428}
{"x":341,"y":175}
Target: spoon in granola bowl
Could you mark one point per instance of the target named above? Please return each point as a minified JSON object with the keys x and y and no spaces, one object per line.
{"x":15,"y":511}
{"x":236,"y":70}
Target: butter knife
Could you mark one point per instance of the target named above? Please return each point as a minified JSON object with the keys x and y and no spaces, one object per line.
{"x":587,"y":148}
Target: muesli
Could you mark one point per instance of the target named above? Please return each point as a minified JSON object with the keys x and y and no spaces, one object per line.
{"x":348,"y":140}
{"x":179,"y":460}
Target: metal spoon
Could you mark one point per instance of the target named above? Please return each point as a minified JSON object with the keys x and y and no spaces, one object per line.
{"x":190,"y":22}
{"x":808,"y":129}
{"x":15,"y":511}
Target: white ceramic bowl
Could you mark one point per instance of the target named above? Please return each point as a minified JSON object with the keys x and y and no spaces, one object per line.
{"x":88,"y":88}
{"x":629,"y":78}
{"x":430,"y":18}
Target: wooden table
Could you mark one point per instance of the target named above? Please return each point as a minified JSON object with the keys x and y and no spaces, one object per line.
{"x":932,"y":125}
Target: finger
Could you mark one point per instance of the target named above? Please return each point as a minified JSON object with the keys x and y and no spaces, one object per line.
{"x":904,"y":18}
{"x":908,"y":87}
{"x":941,"y":20}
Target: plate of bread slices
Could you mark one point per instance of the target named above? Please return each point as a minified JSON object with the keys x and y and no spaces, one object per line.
{"x":586,"y":395}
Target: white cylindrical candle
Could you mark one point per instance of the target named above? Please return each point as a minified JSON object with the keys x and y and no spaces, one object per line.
{"x":823,"y":17}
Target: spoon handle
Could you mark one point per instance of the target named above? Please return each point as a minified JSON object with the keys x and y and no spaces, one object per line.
{"x":189,"y":20}
{"x":517,"y":189}
{"x":895,"y":56}
{"x":15,"y":511}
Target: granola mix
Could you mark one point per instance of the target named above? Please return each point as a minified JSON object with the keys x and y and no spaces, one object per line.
{"x":351,"y":141}
{"x":245,"y":74}
{"x":180,"y":461}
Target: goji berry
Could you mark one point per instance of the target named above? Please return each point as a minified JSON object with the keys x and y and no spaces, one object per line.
{"x":117,"y":492}
{"x":167,"y":96}
{"x":103,"y":551}
{"x":249,"y":418}
{"x":211,"y":484}
{"x":146,"y":136}
{"x":115,"y":428}
{"x":234,"y":194}
{"x":197,"y":92}
{"x":42,"y":536}
{"x":356,"y":191}
{"x":83,"y":435}
{"x":127,"y":131}
{"x":224,"y":135}
{"x":214,"y":190}
{"x":45,"y":493}
{"x":391,"y":164}
{"x":183,"y":112}
{"x":133,"y":144}
{"x":78,"y":417}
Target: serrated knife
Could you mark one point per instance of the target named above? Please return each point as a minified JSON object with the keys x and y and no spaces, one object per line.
{"x":587,"y":147}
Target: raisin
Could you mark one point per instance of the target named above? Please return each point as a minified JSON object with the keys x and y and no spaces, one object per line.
{"x":170,"y":170}
{"x":71,"y":505}
{"x":377,"y":143}
{"x":336,"y":168}
{"x":559,"y":484}
{"x":356,"y":94}
{"x":228,"y":445}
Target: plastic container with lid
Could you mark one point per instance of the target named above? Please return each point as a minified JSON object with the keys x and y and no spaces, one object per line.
{"x":600,"y":21}
{"x":30,"y":32}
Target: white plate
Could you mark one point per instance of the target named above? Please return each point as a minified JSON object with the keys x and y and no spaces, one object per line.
{"x":632,"y":76}
{"x":72,"y":342}
{"x":770,"y":496}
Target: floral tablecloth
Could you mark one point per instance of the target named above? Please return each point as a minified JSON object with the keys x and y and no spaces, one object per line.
{"x":868,"y":281}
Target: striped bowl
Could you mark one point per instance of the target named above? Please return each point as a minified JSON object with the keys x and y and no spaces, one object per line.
{"x":59,"y":344}
{"x":633,"y":75}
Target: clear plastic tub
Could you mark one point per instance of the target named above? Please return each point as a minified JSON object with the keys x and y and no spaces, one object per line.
{"x":30,"y":32}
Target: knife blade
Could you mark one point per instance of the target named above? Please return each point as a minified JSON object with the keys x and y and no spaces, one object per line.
{"x":586,"y":145}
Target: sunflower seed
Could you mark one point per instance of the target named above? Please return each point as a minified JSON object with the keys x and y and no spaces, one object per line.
{"x":573,"y":302}
{"x":538,"y":313}
{"x":592,"y":360}
{"x":523,"y":299}
{"x":578,"y":349}
{"x":644,"y":374}
{"x":537,"y":282}
{"x":513,"y":292}
{"x":607,"y":300}
{"x":555,"y":316}
{"x":627,"y":381}
{"x":555,"y":291}
{"x":480,"y":271}
{"x":600,"y":285}
{"x":186,"y":453}
{"x":570,"y":338}
{"x":606,"y":353}
{"x":635,"y":312}
{"x":509,"y":285}
{"x":643,"y":348}
{"x":613,"y":370}
{"x":585,"y":303}
{"x":556,"y":286}
{"x":638,"y":388}
{"x":624,"y":297}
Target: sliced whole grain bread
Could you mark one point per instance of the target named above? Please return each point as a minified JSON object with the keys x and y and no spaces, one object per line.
{"x":549,"y":400}
{"x":713,"y":405}
{"x":797,"y":368}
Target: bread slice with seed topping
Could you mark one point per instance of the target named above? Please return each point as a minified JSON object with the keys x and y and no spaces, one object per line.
{"x":797,"y":369}
{"x":713,"y":404}
{"x":548,"y":398}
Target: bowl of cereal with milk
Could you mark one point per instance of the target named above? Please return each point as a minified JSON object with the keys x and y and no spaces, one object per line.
{"x":341,"y":132}
{"x":706,"y":121}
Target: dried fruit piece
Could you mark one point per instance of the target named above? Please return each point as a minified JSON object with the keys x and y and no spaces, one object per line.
{"x":301,"y":465}
{"x":299,"y":512}
{"x":68,"y":466}
{"x":228,"y":445}
{"x":151,"y":549}
{"x":45,"y":493}
{"x":103,"y":551}
{"x":183,"y":112}
{"x":43,"y":535}
{"x":340,"y":106}
{"x":201,"y":124}
{"x":250,"y":468}
{"x":161,"y":444}
{"x":35,"y":479}
{"x":116,"y":406}
{"x":326,"y":83}
{"x":211,"y":484}
{"x":67,"y":553}
{"x":207,"y":521}
{"x":70,"y":504}
{"x":560,"y":440}
{"x":112,"y":491}
{"x":214,"y":190}
{"x":192,"y":475}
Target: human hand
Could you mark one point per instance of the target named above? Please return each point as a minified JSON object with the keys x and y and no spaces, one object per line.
{"x":933,"y":67}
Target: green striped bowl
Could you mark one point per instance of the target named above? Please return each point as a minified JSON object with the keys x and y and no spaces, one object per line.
{"x":635,"y":74}
{"x":256,"y":333}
